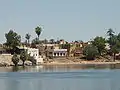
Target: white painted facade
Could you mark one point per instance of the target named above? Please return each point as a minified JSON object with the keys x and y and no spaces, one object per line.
{"x":35,"y":53}
{"x":59,"y":52}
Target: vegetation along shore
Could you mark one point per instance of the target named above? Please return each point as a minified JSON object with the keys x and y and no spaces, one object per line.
{"x":99,"y":50}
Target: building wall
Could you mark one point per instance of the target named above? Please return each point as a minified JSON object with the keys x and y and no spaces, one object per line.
{"x":33,"y":52}
{"x":57,"y":53}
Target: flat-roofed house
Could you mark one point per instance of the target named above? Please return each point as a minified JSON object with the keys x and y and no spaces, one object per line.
{"x":54,"y":53}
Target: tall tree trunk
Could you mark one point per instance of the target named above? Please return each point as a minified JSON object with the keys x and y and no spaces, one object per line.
{"x":38,"y":37}
{"x":16,"y":64}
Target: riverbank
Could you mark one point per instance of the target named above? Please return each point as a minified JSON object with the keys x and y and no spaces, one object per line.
{"x":81,"y":63}
{"x":5,"y":61}
{"x":71,"y":61}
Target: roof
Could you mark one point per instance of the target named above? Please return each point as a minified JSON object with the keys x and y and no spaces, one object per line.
{"x":60,"y":50}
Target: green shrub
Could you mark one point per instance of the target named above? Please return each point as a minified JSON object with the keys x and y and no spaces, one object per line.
{"x":90,"y":52}
{"x":15,"y":59}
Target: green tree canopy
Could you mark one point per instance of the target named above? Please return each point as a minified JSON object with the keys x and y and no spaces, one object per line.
{"x":110,"y":32}
{"x":15,"y":59}
{"x":38,"y":31}
{"x":99,"y":42}
{"x":12,"y":39}
{"x":114,"y":42}
{"x":27,"y":36}
{"x":118,"y":37}
{"x":52,"y":41}
{"x":111,"y":35}
{"x":23,"y":56}
{"x":35,"y":41}
{"x":115,"y":49}
{"x":90,"y":52}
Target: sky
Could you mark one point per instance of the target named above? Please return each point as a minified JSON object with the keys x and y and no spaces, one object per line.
{"x":59,"y":19}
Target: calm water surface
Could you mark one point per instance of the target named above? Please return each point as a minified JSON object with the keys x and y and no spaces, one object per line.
{"x":74,"y":77}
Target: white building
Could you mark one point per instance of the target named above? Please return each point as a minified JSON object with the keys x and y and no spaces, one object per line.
{"x":34,"y":53}
{"x":57,"y":53}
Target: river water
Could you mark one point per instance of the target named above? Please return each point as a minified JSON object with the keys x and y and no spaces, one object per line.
{"x":73,"y":77}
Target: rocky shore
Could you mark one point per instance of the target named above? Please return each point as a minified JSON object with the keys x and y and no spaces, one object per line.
{"x":5,"y":61}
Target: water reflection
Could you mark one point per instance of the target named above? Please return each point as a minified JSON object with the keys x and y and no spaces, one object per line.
{"x":55,"y":68}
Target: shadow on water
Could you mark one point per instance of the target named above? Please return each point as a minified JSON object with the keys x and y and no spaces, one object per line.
{"x":17,"y":68}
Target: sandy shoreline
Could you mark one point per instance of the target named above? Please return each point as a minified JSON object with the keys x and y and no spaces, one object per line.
{"x":82,"y":63}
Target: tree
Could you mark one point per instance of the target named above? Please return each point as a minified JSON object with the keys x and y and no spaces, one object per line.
{"x":45,"y":41}
{"x":27,"y":36}
{"x":115,"y":49}
{"x":90,"y":52}
{"x":35,"y":41}
{"x":114,"y":42}
{"x":99,"y":42}
{"x":38,"y":31}
{"x":23,"y":56}
{"x":52,"y":41}
{"x":110,"y":32}
{"x":118,"y":37}
{"x":12,"y":40}
{"x":15,"y":59}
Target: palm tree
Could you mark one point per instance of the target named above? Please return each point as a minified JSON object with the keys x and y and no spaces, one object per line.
{"x":113,"y":41}
{"x":110,"y":32}
{"x":27,"y":36}
{"x":111,"y":35}
{"x":38,"y":31}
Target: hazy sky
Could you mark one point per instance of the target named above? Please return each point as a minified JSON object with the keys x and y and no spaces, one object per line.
{"x":68,"y":19}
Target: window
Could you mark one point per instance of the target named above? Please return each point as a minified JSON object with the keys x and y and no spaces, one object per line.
{"x":54,"y":54}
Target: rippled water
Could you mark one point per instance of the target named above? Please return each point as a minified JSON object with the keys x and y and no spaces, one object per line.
{"x":74,"y":77}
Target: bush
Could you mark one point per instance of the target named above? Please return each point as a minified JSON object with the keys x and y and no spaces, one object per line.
{"x":90,"y":52}
{"x":15,"y":59}
{"x":23,"y":56}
